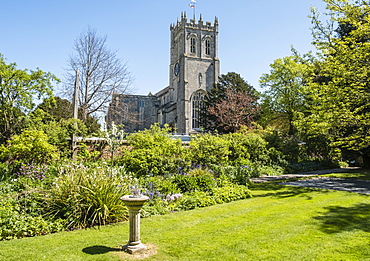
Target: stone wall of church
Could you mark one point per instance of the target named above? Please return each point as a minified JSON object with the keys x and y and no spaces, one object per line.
{"x":135,"y":112}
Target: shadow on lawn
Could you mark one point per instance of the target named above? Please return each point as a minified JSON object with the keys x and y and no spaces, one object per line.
{"x":282,"y":191}
{"x":97,"y":250}
{"x":338,"y":219}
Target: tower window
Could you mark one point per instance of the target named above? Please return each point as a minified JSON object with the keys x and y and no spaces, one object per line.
{"x":197,"y":107}
{"x":192,"y":44}
{"x":208,"y":47}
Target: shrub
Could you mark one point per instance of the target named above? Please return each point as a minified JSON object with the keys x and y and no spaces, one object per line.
{"x":238,"y":174}
{"x":305,"y":166}
{"x":195,"y":200}
{"x":29,"y":146}
{"x":155,"y":207}
{"x":205,"y":182}
{"x":185,"y":183}
{"x":158,"y":187}
{"x":16,"y":225}
{"x":154,"y":161}
{"x":188,"y":183}
{"x":230,"y":193}
{"x":237,"y":155}
{"x":246,"y":146}
{"x":208,"y":149}
{"x":21,"y":213}
{"x":6,"y":171}
{"x":154,"y":152}
{"x":265,"y":170}
{"x":218,"y":195}
{"x":32,"y":171}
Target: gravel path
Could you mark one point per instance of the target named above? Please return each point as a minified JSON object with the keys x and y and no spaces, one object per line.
{"x":302,"y":175}
{"x":351,"y":185}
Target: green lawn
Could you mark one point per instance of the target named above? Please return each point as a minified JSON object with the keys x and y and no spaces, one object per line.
{"x":278,"y":223}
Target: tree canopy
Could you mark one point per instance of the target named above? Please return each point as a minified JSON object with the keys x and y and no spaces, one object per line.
{"x":284,"y":90}
{"x":340,"y":107}
{"x":101,"y":73}
{"x":232,"y":102}
{"x":18,"y":91}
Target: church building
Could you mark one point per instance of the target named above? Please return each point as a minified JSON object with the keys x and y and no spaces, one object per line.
{"x":194,"y":69}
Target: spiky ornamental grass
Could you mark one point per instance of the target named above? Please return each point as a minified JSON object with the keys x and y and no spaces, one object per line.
{"x":88,"y":196}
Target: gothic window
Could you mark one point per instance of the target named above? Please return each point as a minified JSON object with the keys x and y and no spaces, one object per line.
{"x":197,"y":107}
{"x":208,"y":47}
{"x":192,"y":44}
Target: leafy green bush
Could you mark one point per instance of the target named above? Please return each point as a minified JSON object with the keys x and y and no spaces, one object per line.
{"x":188,"y":183}
{"x":266,"y":170}
{"x":88,"y":196}
{"x":237,"y":155}
{"x":218,"y":195}
{"x":155,"y":207}
{"x":16,"y":225}
{"x":158,"y":186}
{"x":305,"y":166}
{"x":246,"y":146}
{"x":235,"y":174}
{"x":230,"y":193}
{"x":209,"y":149}
{"x":6,"y":171}
{"x":205,"y":182}
{"x":154,"y":152}
{"x":21,"y":213}
{"x":29,"y":146}
{"x":195,"y":199}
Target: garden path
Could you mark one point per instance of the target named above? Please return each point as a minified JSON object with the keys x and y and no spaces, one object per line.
{"x":351,"y":185}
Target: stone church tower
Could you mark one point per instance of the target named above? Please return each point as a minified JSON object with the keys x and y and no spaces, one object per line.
{"x":194,"y":69}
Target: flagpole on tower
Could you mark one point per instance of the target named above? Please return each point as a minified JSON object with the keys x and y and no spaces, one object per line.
{"x":192,"y":5}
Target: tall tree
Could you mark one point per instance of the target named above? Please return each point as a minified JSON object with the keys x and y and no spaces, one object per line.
{"x":284,"y":90}
{"x":58,"y":109}
{"x":101,"y":73}
{"x":230,"y":86}
{"x":340,"y":105}
{"x":18,"y":89}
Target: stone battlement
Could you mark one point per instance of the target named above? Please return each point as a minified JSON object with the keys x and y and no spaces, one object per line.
{"x":192,"y":23}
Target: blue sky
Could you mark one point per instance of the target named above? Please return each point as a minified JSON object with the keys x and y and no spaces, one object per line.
{"x":252,"y":34}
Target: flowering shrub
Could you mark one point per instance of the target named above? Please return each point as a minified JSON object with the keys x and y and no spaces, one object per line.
{"x":171,"y":198}
{"x":33,"y":171}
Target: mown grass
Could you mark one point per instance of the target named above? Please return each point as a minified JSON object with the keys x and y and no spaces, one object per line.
{"x":278,"y":223}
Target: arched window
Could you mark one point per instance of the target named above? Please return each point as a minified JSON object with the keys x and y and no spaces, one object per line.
{"x":193,"y":42}
{"x":197,"y":107}
{"x":208,"y":47}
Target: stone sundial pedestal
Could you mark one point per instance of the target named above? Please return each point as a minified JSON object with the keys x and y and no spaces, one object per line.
{"x":134,"y":204}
